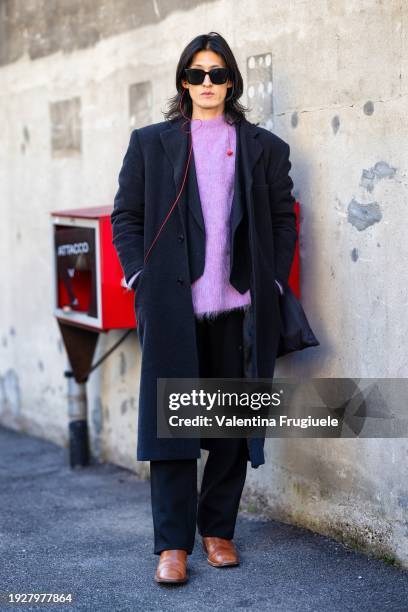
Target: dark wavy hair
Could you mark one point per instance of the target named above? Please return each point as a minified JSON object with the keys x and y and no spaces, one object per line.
{"x":234,"y":111}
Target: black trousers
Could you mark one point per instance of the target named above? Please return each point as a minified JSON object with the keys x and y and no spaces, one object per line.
{"x":176,"y":506}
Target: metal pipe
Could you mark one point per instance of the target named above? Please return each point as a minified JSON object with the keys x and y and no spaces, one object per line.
{"x":78,"y":426}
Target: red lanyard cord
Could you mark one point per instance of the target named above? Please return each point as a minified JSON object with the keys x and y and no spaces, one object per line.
{"x":172,"y":206}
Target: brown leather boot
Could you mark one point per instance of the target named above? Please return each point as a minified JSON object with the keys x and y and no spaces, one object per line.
{"x":172,"y":567}
{"x":221,"y":552}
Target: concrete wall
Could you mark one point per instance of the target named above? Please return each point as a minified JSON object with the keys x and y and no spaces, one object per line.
{"x":328,"y":77}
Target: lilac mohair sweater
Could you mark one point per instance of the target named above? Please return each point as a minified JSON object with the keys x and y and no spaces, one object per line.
{"x":212,"y":293}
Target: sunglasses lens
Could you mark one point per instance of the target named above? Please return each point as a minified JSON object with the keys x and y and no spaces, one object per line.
{"x":196,"y":76}
{"x":218,"y":76}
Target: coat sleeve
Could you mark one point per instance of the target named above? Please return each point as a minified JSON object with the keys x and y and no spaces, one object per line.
{"x":127,"y":217}
{"x":283,"y":217}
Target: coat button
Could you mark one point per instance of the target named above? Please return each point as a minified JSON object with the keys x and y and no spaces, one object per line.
{"x":180,"y":280}
{"x":180,"y":237}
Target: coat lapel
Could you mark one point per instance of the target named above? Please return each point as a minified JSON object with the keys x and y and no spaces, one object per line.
{"x":249,"y":150}
{"x":194,"y":202}
{"x":176,"y":143}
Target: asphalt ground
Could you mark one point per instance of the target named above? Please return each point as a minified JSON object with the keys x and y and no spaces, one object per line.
{"x":89,"y":532}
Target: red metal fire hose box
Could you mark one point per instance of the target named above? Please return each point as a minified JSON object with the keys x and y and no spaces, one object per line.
{"x":89,"y":289}
{"x":90,"y":298}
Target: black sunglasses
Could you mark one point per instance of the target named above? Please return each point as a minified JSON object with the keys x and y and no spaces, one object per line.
{"x":196,"y":76}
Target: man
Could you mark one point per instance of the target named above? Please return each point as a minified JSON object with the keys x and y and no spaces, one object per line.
{"x":206,"y":280}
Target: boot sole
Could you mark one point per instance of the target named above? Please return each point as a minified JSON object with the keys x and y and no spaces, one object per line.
{"x":170,"y":580}
{"x":230,"y":564}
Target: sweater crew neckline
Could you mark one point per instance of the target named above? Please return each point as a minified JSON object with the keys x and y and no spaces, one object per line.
{"x":210,"y":123}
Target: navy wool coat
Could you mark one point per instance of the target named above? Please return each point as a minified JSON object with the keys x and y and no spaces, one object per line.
{"x":262,"y":244}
